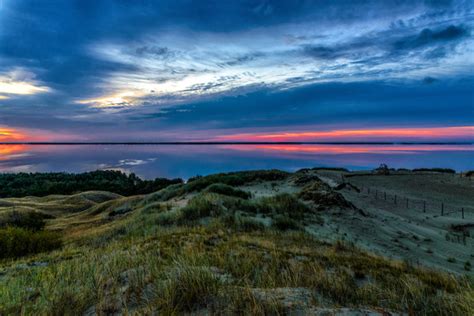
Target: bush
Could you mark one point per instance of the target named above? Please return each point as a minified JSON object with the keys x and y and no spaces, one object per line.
{"x":17,"y":242}
{"x":28,"y":220}
{"x":200,"y":206}
{"x":188,"y":287}
{"x":234,"y":178}
{"x":284,"y":204}
{"x":225,"y":189}
{"x":285,"y":223}
{"x":243,"y":223}
{"x":167,"y":218}
{"x":331,"y":169}
{"x":442,"y":170}
{"x":467,"y":266}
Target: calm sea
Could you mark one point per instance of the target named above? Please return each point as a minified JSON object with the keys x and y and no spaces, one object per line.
{"x":150,"y":161}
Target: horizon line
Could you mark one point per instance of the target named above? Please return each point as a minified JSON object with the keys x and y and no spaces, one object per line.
{"x":237,"y":143}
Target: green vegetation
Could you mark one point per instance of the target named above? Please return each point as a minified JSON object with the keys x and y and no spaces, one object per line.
{"x":234,"y":178}
{"x":467,"y":266}
{"x":227,"y":190}
{"x":27,"y":220}
{"x":187,"y":269}
{"x":41,"y":184}
{"x":197,"y":248}
{"x":199,"y":183}
{"x":21,"y":234}
{"x":17,"y":242}
{"x":331,"y":169}
{"x":443,"y":170}
{"x":282,"y":222}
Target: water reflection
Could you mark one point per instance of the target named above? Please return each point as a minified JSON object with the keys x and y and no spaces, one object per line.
{"x":151,"y":161}
{"x":12,"y":151}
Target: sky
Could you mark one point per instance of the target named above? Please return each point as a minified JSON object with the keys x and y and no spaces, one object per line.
{"x":249,"y":70}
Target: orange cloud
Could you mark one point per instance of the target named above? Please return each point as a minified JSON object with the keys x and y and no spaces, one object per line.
{"x":14,"y":135}
{"x":11,"y":135}
{"x":429,"y":133}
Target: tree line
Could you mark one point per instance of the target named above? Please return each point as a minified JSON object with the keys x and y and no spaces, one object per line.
{"x":42,"y":184}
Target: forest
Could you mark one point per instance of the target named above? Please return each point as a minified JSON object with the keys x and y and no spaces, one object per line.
{"x":42,"y":184}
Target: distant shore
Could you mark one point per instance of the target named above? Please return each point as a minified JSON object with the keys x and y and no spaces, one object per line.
{"x":236,"y":143}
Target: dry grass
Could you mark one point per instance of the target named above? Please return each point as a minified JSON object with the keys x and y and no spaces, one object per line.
{"x":218,"y":254}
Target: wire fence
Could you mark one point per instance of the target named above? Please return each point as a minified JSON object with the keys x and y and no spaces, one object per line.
{"x":424,"y":206}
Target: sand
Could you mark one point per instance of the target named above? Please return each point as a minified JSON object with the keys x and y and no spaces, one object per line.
{"x":395,"y":231}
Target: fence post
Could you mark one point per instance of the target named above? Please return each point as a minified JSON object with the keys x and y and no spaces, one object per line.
{"x":442,"y":208}
{"x":424,"y":206}
{"x":462,"y":211}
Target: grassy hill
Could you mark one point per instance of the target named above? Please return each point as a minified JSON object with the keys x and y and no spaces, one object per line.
{"x":236,"y":243}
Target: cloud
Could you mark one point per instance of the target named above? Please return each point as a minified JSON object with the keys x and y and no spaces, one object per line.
{"x":19,"y":82}
{"x":216,"y":64}
{"x":429,"y":80}
{"x":431,"y":37}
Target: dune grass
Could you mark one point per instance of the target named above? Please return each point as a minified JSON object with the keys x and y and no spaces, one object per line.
{"x":216,"y":252}
{"x":181,"y":269}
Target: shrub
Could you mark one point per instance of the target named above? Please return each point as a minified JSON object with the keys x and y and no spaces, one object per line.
{"x":285,"y":204}
{"x":331,"y":169}
{"x":188,"y":287}
{"x":323,"y":196}
{"x":28,"y":220}
{"x":121,"y":210}
{"x":225,"y":189}
{"x":243,"y":223}
{"x":234,"y":178}
{"x":17,"y":242}
{"x":285,"y":223}
{"x":442,"y":170}
{"x":167,"y":218}
{"x":201,"y":206}
{"x":467,"y":266}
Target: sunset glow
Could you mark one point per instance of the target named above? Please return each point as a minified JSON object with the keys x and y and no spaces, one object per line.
{"x":358,"y":134}
{"x":264,"y":71}
{"x":348,"y":149}
{"x":11,"y":135}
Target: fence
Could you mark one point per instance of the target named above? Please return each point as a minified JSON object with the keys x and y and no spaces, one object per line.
{"x":438,"y":207}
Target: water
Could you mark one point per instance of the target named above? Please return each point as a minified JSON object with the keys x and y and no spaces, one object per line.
{"x":150,"y":161}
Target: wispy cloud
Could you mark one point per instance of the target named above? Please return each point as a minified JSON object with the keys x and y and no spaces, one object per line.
{"x":190,"y":65}
{"x":20,"y":82}
{"x":111,"y":70}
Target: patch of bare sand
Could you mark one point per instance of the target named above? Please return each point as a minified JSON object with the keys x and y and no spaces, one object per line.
{"x":396,"y":231}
